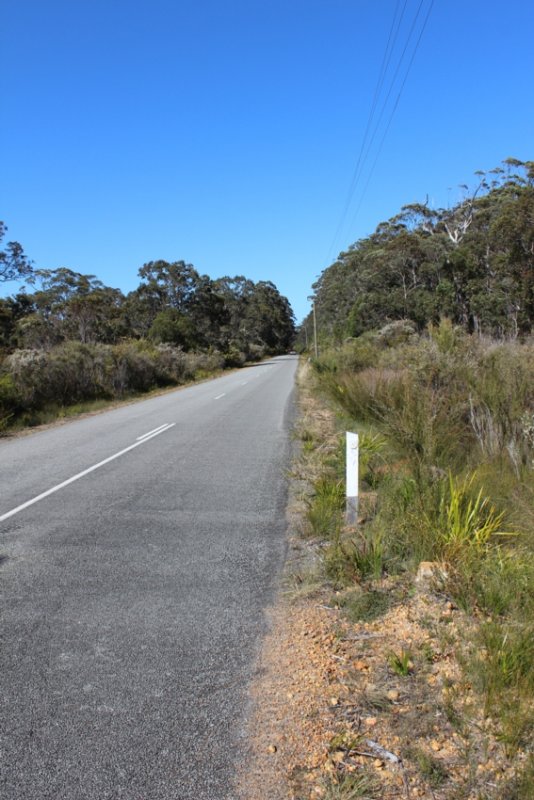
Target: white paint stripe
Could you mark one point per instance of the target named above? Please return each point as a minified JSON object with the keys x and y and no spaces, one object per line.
{"x":82,"y":474}
{"x":155,"y":430}
{"x":244,"y":383}
{"x":219,"y":396}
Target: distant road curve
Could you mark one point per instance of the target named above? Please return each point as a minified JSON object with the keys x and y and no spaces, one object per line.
{"x":138,"y":551}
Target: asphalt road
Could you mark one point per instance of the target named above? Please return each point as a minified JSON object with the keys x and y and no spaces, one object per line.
{"x":133,"y":593}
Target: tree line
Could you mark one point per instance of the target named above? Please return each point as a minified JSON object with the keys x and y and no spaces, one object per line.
{"x":69,"y":338}
{"x":173,"y":304}
{"x":472,"y":263}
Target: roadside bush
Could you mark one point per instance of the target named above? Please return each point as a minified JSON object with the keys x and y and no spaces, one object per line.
{"x":35,"y":381}
{"x":501,"y":404}
{"x":203,"y":364}
{"x":395,"y":333}
{"x":325,"y":507}
{"x":74,"y":372}
{"x":233,"y":357}
{"x":353,"y":355}
{"x":446,"y":425}
{"x":9,"y":401}
{"x":255,"y":352}
{"x":134,"y":368}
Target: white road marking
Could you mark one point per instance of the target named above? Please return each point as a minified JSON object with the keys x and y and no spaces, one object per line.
{"x":244,"y":383}
{"x":219,"y":396}
{"x":155,"y":430}
{"x":85,"y":472}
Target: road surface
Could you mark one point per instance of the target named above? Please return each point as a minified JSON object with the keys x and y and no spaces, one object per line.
{"x":139,"y":549}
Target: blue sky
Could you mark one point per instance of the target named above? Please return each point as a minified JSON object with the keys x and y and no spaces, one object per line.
{"x":227,"y":134}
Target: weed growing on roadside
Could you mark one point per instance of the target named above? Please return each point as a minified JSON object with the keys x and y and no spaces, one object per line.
{"x":325,"y":508}
{"x":364,"y":606}
{"x":361,"y":786}
{"x":430,"y":768}
{"x":401,"y":663}
{"x":466,"y":520}
{"x":520,"y":786}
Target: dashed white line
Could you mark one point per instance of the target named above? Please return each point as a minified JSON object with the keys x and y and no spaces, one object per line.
{"x":219,"y":396}
{"x":77,"y":477}
{"x":155,"y":430}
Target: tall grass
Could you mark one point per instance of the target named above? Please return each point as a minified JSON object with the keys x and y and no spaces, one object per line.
{"x":455,"y":418}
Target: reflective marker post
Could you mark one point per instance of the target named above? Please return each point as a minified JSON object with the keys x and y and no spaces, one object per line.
{"x":352,"y":453}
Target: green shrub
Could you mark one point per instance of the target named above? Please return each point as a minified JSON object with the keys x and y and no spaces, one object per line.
{"x":500,"y":584}
{"x":367,"y":552}
{"x":325,"y":507}
{"x":362,"y":786}
{"x":466,"y":519}
{"x":365,"y":606}
{"x":36,"y":384}
{"x":429,"y":767}
{"x":9,"y":400}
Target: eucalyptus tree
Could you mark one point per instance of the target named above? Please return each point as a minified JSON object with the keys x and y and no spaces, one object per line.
{"x":70,"y":305}
{"x":473,"y":263}
{"x":14,"y":264}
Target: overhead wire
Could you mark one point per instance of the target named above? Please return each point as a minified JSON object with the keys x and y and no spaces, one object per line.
{"x":390,"y":45}
{"x":392,"y":114}
{"x":367,"y":146}
{"x":394,"y":78}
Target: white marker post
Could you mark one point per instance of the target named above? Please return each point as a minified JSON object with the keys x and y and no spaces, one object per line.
{"x":352,"y":454}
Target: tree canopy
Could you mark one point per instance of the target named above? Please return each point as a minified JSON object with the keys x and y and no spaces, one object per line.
{"x":14,"y":264}
{"x":472,"y":263}
{"x":173,"y":304}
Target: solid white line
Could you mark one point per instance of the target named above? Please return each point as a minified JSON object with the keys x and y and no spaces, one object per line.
{"x":155,"y":430}
{"x":81,"y":474}
{"x":219,"y":396}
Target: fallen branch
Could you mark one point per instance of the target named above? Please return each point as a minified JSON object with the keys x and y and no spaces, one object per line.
{"x":382,"y":752}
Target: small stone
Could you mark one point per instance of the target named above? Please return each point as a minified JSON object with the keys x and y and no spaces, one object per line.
{"x":360,"y":665}
{"x":370,"y":722}
{"x":337,"y":756}
{"x":334,"y":701}
{"x":272,"y":748}
{"x":378,"y":763}
{"x":436,"y":747}
{"x":393,"y":695}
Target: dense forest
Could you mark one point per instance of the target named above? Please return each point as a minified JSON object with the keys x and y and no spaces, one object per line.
{"x":71,"y":338}
{"x":472,"y":263}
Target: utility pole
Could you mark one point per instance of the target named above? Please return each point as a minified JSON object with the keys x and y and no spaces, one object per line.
{"x":315,"y":332}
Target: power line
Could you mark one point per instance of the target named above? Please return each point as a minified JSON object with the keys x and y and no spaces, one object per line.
{"x":383,"y":68}
{"x":367,"y":146}
{"x":393,"y":112}
{"x":393,"y":80}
